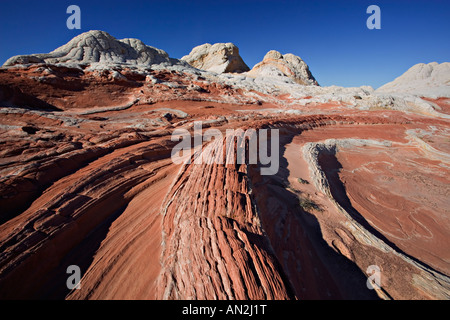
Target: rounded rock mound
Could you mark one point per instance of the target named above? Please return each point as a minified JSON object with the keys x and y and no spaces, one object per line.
{"x":275,"y":65}
{"x":429,"y":80}
{"x":97,"y":47}
{"x":219,"y":57}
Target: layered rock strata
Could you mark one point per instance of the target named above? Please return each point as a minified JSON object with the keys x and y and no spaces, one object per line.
{"x":87,"y":179}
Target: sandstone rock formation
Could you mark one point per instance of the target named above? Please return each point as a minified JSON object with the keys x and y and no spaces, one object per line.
{"x":97,"y":46}
{"x":429,"y":80}
{"x":275,"y":65}
{"x":87,"y":179}
{"x":219,"y":57}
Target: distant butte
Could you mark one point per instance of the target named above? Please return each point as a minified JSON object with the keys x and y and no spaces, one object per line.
{"x":87,"y":179}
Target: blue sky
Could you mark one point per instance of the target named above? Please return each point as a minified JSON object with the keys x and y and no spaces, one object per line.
{"x":331,"y":36}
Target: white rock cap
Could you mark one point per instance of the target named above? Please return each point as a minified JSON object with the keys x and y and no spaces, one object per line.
{"x":97,"y":47}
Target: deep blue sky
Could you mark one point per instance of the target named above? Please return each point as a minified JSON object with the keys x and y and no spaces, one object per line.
{"x":331,"y":36}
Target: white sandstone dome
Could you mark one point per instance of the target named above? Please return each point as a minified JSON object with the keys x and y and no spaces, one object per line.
{"x":276,"y":65}
{"x":432,"y":79}
{"x":97,"y":47}
{"x":219,"y":58}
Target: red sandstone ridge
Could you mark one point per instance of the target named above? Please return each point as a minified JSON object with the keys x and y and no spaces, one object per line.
{"x":87,"y":179}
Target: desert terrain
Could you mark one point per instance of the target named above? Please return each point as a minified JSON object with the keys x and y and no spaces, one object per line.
{"x":87,"y":178}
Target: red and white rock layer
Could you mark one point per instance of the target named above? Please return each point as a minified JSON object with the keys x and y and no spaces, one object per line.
{"x":87,"y":179}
